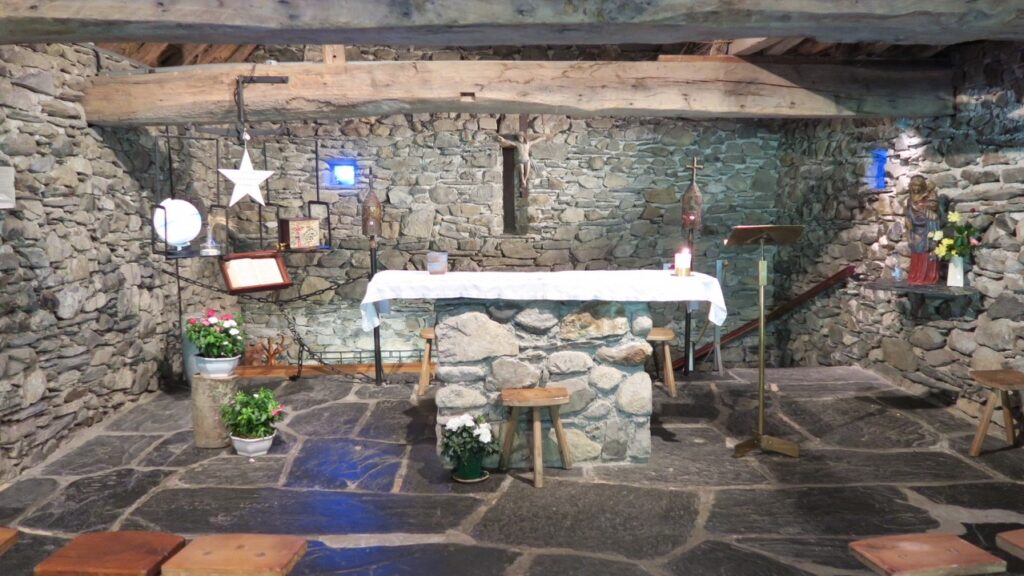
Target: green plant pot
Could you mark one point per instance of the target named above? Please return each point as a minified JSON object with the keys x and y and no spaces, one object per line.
{"x":471,"y":469}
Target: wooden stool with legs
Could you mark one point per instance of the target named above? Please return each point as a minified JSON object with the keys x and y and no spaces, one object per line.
{"x":535,"y":398}
{"x":666,"y":336}
{"x":428,"y":336}
{"x":1000,"y":383}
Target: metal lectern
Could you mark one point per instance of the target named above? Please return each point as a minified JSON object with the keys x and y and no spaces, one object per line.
{"x":763,"y":235}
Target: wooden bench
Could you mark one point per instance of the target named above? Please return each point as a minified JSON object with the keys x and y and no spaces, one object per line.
{"x":535,"y":398}
{"x":428,"y":335}
{"x":237,"y":554}
{"x":666,"y":336}
{"x":1000,"y":383}
{"x":112,"y":553}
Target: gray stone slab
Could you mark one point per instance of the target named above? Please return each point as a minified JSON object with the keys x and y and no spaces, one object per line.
{"x":741,"y":422}
{"x":859,"y":467}
{"x":235,"y":471}
{"x":859,"y":423}
{"x":28,"y":552}
{"x":283,"y":444}
{"x":399,"y":421}
{"x":984,"y":536}
{"x":572,"y":565}
{"x":312,"y":392}
{"x":633,"y":522}
{"x":179,"y":450}
{"x":991,"y":496}
{"x":94,"y":502}
{"x":332,"y":421}
{"x":694,"y":403}
{"x":812,"y":375}
{"x":389,"y":391}
{"x":691,"y":456}
{"x":425,"y":474}
{"x":164,"y":413}
{"x":818,"y":512}
{"x":101,"y":453}
{"x":337,"y":463}
{"x":995,"y":454}
{"x":287,"y":511}
{"x":829,"y":553}
{"x":22,"y":495}
{"x":936,"y":416}
{"x":425,"y":559}
{"x":720,"y":559}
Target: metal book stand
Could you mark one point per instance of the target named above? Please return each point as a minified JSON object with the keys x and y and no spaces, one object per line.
{"x":761,"y":236}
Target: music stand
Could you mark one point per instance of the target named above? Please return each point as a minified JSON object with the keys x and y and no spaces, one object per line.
{"x":763,"y":235}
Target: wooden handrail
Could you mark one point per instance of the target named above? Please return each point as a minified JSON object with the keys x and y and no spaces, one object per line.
{"x":779,"y":312}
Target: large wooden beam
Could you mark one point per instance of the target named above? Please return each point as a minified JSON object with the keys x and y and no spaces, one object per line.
{"x":689,"y":86}
{"x":489,"y":22}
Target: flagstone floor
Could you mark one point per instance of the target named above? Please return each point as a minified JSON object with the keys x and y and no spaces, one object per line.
{"x":354,"y":470}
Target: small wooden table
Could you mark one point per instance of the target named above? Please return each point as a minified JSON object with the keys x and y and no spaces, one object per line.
{"x":535,"y":398}
{"x":1000,"y":384}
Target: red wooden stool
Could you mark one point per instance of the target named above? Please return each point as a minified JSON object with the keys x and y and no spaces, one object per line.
{"x":110,"y":553}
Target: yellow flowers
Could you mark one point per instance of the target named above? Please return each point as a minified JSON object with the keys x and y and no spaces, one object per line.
{"x":936,"y":235}
{"x":944,"y":247}
{"x":953,"y":217}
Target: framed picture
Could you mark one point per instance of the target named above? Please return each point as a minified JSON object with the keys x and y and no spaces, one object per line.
{"x":299,"y":234}
{"x":254,"y":272}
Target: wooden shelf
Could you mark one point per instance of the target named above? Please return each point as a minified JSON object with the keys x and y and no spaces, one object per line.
{"x":940,"y":291}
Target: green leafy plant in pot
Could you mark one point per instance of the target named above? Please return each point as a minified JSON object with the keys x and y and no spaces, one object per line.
{"x":465,"y":442}
{"x":250,"y":419}
{"x":220,"y":341}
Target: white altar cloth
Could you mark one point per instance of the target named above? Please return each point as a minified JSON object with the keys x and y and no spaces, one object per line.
{"x":587,"y":285}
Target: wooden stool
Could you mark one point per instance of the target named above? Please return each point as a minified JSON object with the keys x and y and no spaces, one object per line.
{"x":241,"y":554}
{"x":1012,"y":542}
{"x":109,"y":553}
{"x":933,"y":553}
{"x":428,"y":335}
{"x":665,"y":336}
{"x":536,"y":398}
{"x":1000,"y":384}
{"x":8,"y":538}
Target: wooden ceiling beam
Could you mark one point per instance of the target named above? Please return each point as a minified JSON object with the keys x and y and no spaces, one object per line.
{"x":782,"y":46}
{"x":683,"y":86}
{"x":527,"y":22}
{"x":748,"y":46}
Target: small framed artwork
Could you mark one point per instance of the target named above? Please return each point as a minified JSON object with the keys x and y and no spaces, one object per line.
{"x":254,"y":272}
{"x":299,"y":234}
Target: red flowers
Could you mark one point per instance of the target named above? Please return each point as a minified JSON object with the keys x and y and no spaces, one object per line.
{"x":192,"y":320}
{"x":210,"y":312}
{"x":226,"y":317}
{"x":278,"y":411}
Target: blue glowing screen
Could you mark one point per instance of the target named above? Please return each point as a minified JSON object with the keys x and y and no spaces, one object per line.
{"x":342,"y":172}
{"x":876,"y":173}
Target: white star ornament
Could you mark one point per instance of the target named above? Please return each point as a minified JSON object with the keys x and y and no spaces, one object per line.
{"x":247,"y":181}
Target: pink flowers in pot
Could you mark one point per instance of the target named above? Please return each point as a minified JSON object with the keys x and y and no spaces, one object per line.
{"x":216,"y":335}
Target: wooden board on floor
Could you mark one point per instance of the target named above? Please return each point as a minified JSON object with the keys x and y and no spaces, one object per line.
{"x":237,"y":554}
{"x":8,"y":538}
{"x":105,"y":553}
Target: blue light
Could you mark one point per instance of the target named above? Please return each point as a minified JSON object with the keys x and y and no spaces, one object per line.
{"x":342,"y":172}
{"x":876,"y":173}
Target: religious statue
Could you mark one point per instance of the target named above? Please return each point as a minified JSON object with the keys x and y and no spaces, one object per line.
{"x":521,"y":142}
{"x":922,"y":219}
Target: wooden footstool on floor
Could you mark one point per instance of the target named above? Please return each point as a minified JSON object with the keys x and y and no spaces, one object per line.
{"x":1012,"y":542}
{"x":933,"y":554}
{"x":535,"y":398}
{"x":110,"y":553}
{"x":8,"y":538}
{"x":428,"y":335}
{"x":666,"y":336}
{"x":237,"y":555}
{"x":1000,"y":383}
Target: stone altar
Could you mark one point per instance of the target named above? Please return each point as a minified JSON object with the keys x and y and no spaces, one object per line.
{"x":597,"y":350}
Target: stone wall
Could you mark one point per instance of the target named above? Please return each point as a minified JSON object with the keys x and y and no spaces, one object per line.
{"x":605,"y":195}
{"x":594,"y":350}
{"x":83,"y":322}
{"x":976,"y":158}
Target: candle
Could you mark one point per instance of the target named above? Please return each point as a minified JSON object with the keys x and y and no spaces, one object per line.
{"x":683,"y":260}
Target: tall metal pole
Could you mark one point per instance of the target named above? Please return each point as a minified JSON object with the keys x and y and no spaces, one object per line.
{"x":378,"y":368}
{"x":762,"y":280}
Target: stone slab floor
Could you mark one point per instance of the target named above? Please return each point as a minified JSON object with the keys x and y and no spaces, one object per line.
{"x":354,"y":470}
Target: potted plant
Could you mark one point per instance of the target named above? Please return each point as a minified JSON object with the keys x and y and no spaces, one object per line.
{"x":220,"y":341}
{"x":465,"y":442}
{"x":956,"y":244}
{"x":250,"y":418}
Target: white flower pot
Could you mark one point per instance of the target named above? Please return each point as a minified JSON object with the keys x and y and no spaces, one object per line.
{"x":216,"y":367}
{"x":253,"y":446}
{"x":955,"y":273}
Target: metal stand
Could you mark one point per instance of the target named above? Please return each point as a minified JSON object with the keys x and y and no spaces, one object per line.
{"x":761,"y":235}
{"x":378,"y":366}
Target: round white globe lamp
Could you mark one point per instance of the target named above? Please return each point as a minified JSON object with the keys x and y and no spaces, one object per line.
{"x":178,"y":223}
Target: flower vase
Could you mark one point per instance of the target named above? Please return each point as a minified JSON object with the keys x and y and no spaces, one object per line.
{"x":955,"y":273}
{"x":471,"y":469}
{"x":253,"y":446}
{"x":216,"y":367}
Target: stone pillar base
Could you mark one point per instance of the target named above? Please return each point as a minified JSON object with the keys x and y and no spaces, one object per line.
{"x":208,"y":395}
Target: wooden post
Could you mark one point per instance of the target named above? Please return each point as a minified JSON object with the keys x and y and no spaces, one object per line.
{"x":208,"y":395}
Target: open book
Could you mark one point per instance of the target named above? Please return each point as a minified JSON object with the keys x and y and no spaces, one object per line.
{"x":250,"y":272}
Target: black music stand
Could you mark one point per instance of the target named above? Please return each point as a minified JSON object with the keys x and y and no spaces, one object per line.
{"x":761,"y":236}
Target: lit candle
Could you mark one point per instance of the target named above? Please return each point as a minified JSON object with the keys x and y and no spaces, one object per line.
{"x":683,"y":261}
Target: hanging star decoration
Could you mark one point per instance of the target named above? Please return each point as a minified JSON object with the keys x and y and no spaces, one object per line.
{"x":247,"y":181}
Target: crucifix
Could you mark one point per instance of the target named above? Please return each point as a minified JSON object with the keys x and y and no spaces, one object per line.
{"x":521,"y":142}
